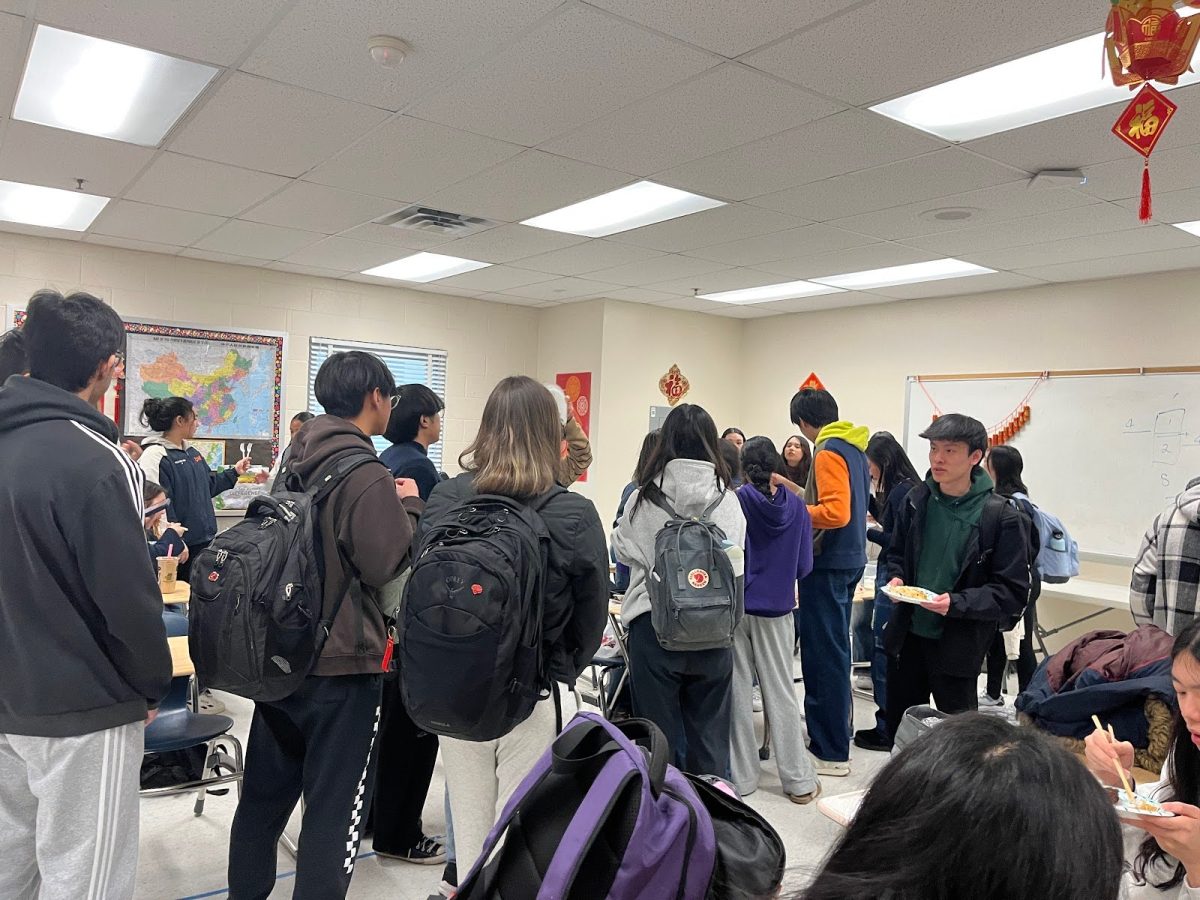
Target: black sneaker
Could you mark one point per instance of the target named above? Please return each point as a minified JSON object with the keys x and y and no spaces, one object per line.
{"x":449,"y":885}
{"x":426,"y":852}
{"x":871,"y":739}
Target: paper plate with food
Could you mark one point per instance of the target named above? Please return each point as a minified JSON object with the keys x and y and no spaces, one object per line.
{"x":1135,"y":805}
{"x":906,"y":593}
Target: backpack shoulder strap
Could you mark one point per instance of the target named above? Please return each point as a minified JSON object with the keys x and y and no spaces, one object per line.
{"x":330,"y":476}
{"x":662,"y":503}
{"x":712,"y":507}
{"x":989,"y":521}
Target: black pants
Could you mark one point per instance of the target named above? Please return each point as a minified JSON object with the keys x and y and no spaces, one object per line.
{"x":317,"y":742}
{"x":406,"y":757}
{"x":688,"y":694}
{"x":912,"y":678}
{"x":997,"y":659}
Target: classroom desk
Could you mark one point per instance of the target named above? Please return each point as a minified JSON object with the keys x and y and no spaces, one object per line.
{"x":181,"y":660}
{"x":181,"y":594}
{"x":1093,"y":593}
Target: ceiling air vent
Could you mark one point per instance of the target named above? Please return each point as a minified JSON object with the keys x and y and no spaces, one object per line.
{"x":435,"y":221}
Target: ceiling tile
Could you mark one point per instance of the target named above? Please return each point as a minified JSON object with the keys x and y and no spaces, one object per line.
{"x":342,"y":254}
{"x":525,"y":186}
{"x":824,"y":301}
{"x":953,"y":287}
{"x":642,"y":295}
{"x":727,"y":27}
{"x":1116,"y":266}
{"x":1085,"y":220}
{"x":257,"y":241}
{"x":560,"y":289}
{"x":913,"y":45}
{"x":1170,"y":207}
{"x":314,"y":207}
{"x":1137,"y":239}
{"x":12,"y":58}
{"x":298,"y":269}
{"x":721,"y":280}
{"x":202,"y":186}
{"x":936,"y":174}
{"x":1170,"y":170}
{"x":841,"y":143}
{"x":38,"y":155}
{"x":574,"y":67}
{"x":854,"y":259}
{"x":143,"y":222}
{"x":1001,"y":203}
{"x":271,"y":127}
{"x":712,"y":226}
{"x":322,"y":45}
{"x":402,"y":238}
{"x":651,"y":271}
{"x":214,"y":256}
{"x":109,"y":240}
{"x":216,"y":31}
{"x":805,"y":242}
{"x":495,"y":278}
{"x":735,"y":311}
{"x":409,"y":157}
{"x":720,"y":108}
{"x":506,"y":243}
{"x":16,"y":7}
{"x":515,"y":301}
{"x":590,"y":256}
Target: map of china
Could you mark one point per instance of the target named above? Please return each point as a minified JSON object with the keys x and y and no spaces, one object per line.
{"x":212,"y":394}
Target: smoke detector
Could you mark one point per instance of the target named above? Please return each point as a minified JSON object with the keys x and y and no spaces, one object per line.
{"x":950,"y":214}
{"x":386,"y":50}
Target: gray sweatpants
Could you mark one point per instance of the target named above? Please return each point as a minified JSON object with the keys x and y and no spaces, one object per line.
{"x":765,"y":645}
{"x":69,"y":815}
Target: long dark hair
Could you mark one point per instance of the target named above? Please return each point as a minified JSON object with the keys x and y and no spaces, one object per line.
{"x":1183,"y":770}
{"x":798,"y":474}
{"x":894,"y":465}
{"x":649,"y":442}
{"x":160,"y":413}
{"x":760,"y":460}
{"x":688,"y":432}
{"x":1008,"y":466}
{"x":938,"y":823}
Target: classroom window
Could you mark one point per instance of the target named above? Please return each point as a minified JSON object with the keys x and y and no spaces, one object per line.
{"x":408,"y":365}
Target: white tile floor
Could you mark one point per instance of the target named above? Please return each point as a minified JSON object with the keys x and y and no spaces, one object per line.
{"x":183,"y":856}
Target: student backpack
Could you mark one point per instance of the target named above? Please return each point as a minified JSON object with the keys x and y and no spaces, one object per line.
{"x":1058,"y":556}
{"x":255,"y":627}
{"x":696,"y":599}
{"x":471,"y":651}
{"x":989,"y":531}
{"x":601,"y":816}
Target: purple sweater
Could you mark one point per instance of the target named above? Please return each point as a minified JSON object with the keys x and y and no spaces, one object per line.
{"x":779,"y":549}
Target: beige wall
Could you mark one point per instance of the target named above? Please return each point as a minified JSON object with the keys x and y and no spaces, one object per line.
{"x":485,"y":341}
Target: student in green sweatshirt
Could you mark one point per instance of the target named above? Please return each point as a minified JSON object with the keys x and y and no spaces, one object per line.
{"x":980,"y":573}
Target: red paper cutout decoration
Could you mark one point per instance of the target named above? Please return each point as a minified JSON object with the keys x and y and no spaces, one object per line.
{"x":674,"y":385}
{"x":812,"y":382}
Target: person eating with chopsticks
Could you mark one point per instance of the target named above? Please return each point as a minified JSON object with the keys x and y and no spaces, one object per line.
{"x":1163,"y":850}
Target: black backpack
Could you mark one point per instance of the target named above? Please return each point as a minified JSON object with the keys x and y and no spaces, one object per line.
{"x":696,"y":600}
{"x":254,"y":621}
{"x":471,"y":655}
{"x":989,"y":531}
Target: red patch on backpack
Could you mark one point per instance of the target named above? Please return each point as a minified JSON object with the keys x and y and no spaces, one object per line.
{"x":698,"y":579}
{"x":477,"y":589}
{"x":213,"y":576}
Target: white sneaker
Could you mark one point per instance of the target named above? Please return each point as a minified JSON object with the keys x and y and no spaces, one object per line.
{"x":756,"y":699}
{"x":864,"y":683}
{"x":986,"y":699}
{"x":832,"y":769}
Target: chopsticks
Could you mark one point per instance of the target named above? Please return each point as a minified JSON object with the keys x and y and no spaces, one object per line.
{"x":1112,"y":738}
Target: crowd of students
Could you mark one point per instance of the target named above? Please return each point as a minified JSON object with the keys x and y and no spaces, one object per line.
{"x":84,"y":661}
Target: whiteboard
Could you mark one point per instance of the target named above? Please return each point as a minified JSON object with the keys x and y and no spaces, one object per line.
{"x":1105,"y":453}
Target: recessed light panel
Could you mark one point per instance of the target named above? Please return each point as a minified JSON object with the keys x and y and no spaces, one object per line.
{"x":1189,"y":227}
{"x":937,"y":270}
{"x":1044,"y":85}
{"x":31,"y":204}
{"x":92,"y":86}
{"x":785,"y":291}
{"x":425,"y":267}
{"x":633,"y":206}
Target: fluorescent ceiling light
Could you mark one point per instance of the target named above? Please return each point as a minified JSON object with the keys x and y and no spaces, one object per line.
{"x":937,"y":270}
{"x":425,"y":267}
{"x":1189,"y":227}
{"x":632,"y":206}
{"x":786,"y":291}
{"x":1045,"y":85}
{"x":30,"y":204}
{"x":84,"y":84}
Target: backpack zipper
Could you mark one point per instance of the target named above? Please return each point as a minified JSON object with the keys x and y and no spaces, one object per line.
{"x":691,"y":839}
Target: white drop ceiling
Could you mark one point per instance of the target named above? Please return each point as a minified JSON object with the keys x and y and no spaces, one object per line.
{"x":507,"y":109}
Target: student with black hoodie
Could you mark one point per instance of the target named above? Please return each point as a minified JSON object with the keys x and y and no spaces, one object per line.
{"x":318,"y":742}
{"x":83,"y":651}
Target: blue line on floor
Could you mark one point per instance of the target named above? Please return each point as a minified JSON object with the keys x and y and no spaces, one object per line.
{"x":219,"y":891}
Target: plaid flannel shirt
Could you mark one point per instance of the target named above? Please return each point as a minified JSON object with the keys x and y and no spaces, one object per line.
{"x":1166,"y":575}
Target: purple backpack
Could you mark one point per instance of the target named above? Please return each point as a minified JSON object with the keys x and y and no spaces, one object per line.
{"x":601,"y":815}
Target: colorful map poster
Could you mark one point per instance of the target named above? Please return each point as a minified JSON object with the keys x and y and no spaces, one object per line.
{"x":212,"y":451}
{"x":233,"y":379}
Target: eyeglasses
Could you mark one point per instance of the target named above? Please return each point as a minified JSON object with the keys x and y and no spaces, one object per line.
{"x":120,"y":355}
{"x":395,"y":400}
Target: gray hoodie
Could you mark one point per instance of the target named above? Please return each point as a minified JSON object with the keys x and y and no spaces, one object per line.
{"x":689,"y":486}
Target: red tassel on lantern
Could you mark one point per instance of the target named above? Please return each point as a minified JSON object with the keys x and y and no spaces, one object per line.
{"x":1145,"y":210}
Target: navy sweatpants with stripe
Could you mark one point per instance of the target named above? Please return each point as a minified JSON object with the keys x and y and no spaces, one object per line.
{"x":318,"y":742}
